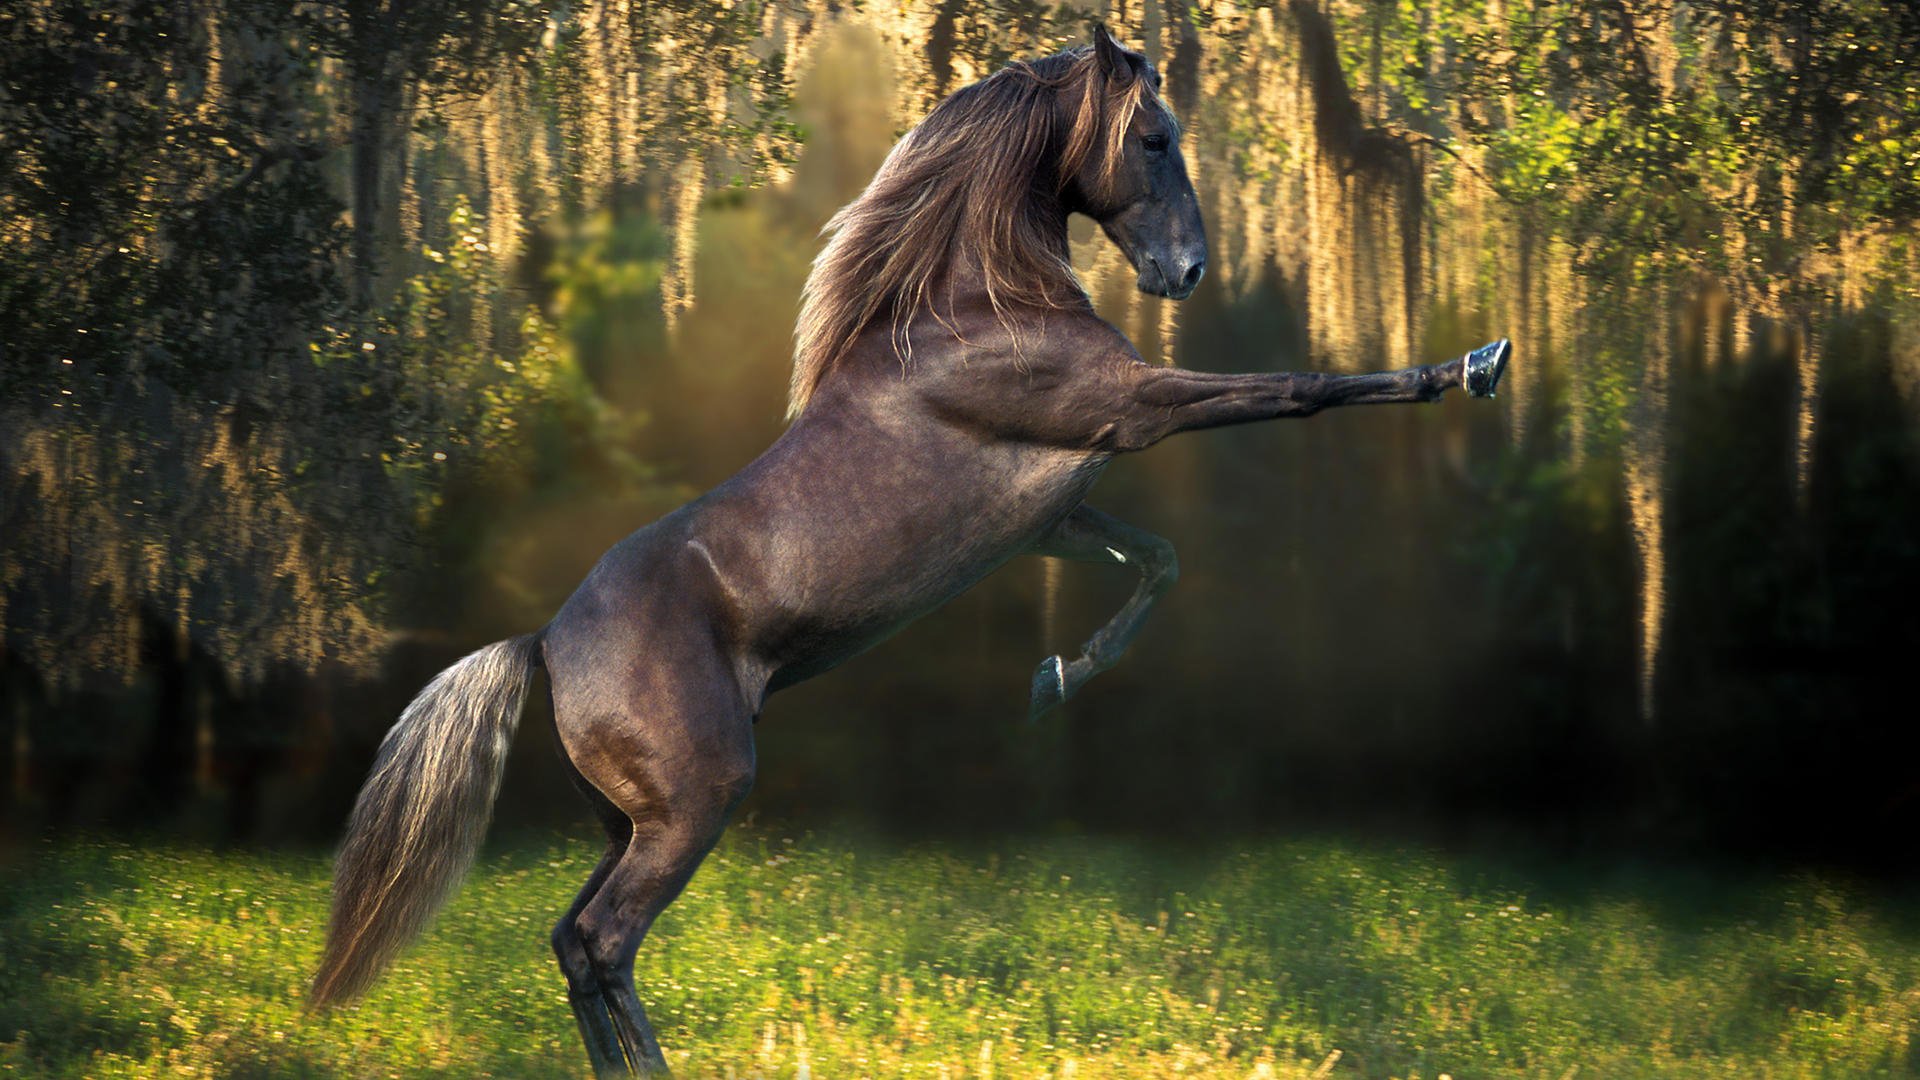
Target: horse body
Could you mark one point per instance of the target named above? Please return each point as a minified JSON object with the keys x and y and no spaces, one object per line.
{"x":870,"y":511}
{"x":874,"y":510}
{"x":875,"y":507}
{"x":943,"y":428}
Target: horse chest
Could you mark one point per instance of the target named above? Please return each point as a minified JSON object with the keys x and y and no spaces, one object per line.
{"x":855,"y":565}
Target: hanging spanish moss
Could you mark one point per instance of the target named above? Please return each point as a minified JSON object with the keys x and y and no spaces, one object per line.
{"x":1646,"y":478}
{"x":1805,"y":346}
{"x":287,"y":382}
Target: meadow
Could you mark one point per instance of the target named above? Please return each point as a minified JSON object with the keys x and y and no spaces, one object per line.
{"x":836,"y":956}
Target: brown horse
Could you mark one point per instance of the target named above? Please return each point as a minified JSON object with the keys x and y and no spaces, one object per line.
{"x":954,"y":398}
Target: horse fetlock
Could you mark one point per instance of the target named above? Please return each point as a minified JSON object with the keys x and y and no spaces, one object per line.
{"x":1057,"y":680}
{"x":1091,"y":663}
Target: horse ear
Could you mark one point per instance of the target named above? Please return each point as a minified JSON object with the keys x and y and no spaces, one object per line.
{"x":1111,"y":56}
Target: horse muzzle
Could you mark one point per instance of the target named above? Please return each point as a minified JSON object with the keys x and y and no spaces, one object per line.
{"x":1174,"y":277}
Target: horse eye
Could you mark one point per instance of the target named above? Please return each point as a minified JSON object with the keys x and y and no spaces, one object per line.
{"x":1156,"y":143}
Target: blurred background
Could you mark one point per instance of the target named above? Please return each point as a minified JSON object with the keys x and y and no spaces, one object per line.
{"x":339,"y":338}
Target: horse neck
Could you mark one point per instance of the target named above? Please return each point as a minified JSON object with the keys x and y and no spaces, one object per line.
{"x":956,"y":299}
{"x":963,"y":281}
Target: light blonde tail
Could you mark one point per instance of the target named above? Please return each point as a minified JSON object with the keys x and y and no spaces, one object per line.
{"x":421,"y":816}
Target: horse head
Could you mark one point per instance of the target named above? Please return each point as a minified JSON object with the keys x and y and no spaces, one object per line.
{"x":1122,"y":167}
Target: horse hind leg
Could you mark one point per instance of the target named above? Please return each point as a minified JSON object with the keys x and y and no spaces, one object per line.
{"x":1088,"y":535}
{"x":668,"y":845}
{"x":584,"y":992}
{"x":675,"y":761}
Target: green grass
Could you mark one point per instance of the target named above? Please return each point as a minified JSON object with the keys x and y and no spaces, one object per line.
{"x":838,"y":958}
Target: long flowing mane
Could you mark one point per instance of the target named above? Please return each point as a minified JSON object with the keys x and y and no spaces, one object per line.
{"x":978,"y":181}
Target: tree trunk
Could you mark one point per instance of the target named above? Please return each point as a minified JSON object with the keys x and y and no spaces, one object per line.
{"x":377,"y":67}
{"x":376,"y":98}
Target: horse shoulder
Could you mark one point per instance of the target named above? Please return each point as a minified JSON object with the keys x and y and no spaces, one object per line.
{"x":1055,"y":382}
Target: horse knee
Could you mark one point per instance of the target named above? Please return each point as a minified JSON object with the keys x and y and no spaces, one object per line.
{"x":571,"y":950}
{"x":665,"y":852}
{"x":606,"y":952}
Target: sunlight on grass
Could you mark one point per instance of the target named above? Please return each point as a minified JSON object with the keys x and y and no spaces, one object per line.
{"x":827,"y":957}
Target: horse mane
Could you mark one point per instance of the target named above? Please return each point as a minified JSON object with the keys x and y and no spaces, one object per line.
{"x":980,"y":181}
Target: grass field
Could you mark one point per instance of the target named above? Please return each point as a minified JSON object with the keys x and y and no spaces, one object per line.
{"x":829,"y":957}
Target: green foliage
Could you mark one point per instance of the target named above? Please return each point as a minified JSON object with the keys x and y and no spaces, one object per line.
{"x":449,"y":396}
{"x":606,"y":287}
{"x":853,"y":958}
{"x":1737,"y":137}
{"x":201,"y":346}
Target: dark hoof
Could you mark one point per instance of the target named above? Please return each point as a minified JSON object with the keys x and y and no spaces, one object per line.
{"x":1049,"y":688}
{"x":1485,"y":365}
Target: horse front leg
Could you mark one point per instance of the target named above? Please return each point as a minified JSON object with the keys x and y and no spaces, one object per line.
{"x":1166,"y":401}
{"x":1087,"y":535}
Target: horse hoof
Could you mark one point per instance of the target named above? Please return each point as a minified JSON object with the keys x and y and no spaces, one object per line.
{"x":1049,"y":688}
{"x":1485,"y":365}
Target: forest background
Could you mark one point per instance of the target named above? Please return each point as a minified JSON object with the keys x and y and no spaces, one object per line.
{"x":341,"y":337}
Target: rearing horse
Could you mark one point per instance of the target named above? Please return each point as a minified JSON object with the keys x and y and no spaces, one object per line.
{"x":954,"y":397}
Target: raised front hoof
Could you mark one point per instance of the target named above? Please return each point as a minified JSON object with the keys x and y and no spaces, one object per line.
{"x":1485,"y":365}
{"x":1049,"y":688}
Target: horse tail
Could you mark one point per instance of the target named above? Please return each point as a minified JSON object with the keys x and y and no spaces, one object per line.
{"x":421,"y":816}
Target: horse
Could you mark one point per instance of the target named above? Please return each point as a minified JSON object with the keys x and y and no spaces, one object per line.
{"x":954,"y":397}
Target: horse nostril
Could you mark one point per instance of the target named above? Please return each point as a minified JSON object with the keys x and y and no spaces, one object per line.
{"x":1193,"y":274}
